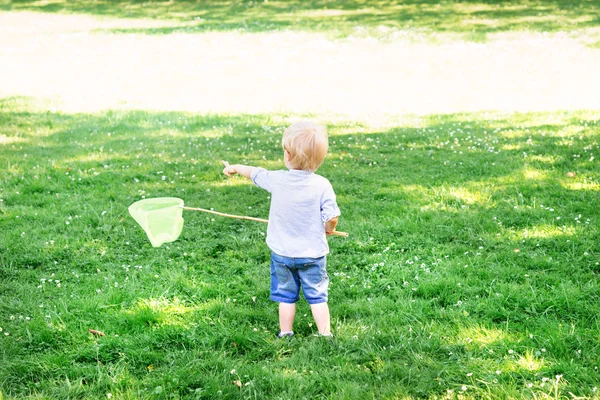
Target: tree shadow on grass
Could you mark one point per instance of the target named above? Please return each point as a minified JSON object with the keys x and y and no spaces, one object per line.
{"x":473,"y":19}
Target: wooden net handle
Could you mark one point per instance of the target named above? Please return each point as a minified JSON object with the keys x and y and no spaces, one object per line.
{"x":334,"y":233}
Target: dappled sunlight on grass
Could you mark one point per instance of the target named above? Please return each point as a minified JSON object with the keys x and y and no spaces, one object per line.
{"x":586,"y":185}
{"x":481,"y":337}
{"x":546,"y":158}
{"x":95,"y":157}
{"x":333,"y":13}
{"x":163,"y":311}
{"x":534,"y":174}
{"x":544,"y":231}
{"x":515,"y":177}
{"x":529,"y":362}
{"x":168,"y":306}
{"x":511,"y":147}
{"x":456,"y":198}
{"x":465,"y":196}
{"x":414,"y":188}
{"x":343,"y":18}
{"x":4,"y":140}
{"x":481,"y":22}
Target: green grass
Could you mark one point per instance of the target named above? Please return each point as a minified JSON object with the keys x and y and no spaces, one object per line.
{"x":471,"y":270}
{"x":469,"y":19}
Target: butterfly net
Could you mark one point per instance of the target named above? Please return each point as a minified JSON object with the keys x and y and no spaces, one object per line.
{"x":161,"y":218}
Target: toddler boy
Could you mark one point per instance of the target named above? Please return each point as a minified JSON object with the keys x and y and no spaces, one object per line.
{"x":303,"y":210}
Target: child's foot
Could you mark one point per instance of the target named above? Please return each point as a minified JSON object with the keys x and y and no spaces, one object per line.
{"x":282,"y":335}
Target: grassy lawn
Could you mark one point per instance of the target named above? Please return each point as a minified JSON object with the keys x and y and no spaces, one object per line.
{"x":468,"y":19}
{"x":471,"y":270}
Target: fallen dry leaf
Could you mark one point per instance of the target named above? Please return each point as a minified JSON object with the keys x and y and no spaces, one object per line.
{"x":96,"y":333}
{"x":237,"y":383}
{"x":571,"y":174}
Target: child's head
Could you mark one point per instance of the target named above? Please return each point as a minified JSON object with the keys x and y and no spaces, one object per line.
{"x":306,"y":145}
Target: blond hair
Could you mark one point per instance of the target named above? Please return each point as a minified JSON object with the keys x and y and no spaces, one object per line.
{"x":307,"y":144}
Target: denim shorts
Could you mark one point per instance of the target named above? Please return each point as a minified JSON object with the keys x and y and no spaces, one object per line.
{"x":289,"y":274}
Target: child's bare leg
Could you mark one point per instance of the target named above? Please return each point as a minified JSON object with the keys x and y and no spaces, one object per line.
{"x":320,"y":313}
{"x":287,"y":312}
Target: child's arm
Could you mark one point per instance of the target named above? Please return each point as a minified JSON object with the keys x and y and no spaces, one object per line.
{"x":244,"y":170}
{"x":330,"y":225}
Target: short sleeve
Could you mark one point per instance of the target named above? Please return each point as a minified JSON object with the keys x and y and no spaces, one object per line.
{"x":329,"y":207}
{"x":260,"y":177}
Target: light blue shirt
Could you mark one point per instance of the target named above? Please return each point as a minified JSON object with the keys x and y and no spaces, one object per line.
{"x":301,"y":202}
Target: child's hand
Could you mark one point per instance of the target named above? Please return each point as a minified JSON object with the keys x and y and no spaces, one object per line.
{"x":228,"y":170}
{"x":330,"y":225}
{"x":244,"y":170}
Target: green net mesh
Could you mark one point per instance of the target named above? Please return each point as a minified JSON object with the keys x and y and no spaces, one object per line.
{"x":161,"y":218}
